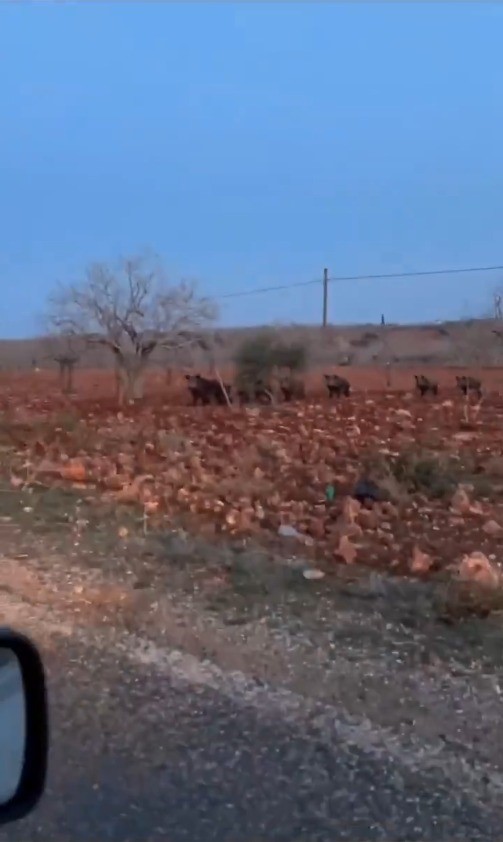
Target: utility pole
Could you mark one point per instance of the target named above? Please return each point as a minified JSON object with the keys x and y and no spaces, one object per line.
{"x":325,"y":297}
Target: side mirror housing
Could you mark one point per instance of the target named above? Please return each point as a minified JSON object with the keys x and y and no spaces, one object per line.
{"x":24,"y":738}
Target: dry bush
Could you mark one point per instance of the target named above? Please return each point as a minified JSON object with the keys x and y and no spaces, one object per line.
{"x":263,"y":355}
{"x":418,"y":471}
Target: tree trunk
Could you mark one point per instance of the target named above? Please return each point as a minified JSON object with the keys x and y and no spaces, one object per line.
{"x":130,"y":380}
{"x":61,"y":376}
{"x":119,"y":389}
{"x":69,"y":378}
{"x":66,"y":369}
{"x":135,"y":385}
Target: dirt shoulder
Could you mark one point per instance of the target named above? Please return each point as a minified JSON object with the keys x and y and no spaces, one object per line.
{"x":372,"y":647}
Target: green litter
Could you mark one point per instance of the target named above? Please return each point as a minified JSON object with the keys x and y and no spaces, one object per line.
{"x":330,"y":493}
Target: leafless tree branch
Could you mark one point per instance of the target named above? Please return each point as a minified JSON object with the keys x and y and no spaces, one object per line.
{"x":131,"y":310}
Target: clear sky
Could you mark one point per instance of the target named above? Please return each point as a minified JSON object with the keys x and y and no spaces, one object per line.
{"x":253,"y":144}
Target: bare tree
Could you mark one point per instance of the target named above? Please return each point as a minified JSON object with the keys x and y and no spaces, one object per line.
{"x":131,"y":310}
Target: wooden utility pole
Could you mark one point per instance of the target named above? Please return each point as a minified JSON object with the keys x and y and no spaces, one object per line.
{"x":325,"y":297}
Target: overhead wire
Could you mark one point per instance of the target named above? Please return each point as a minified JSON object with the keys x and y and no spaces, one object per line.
{"x":415,"y":274}
{"x":370,"y":277}
{"x":260,"y":290}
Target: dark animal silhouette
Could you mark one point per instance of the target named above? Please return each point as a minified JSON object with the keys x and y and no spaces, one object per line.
{"x":469,"y":384}
{"x":425,"y":385}
{"x":205,"y":390}
{"x":337,"y":385}
{"x":366,"y":491}
{"x":243,"y":396}
{"x":292,"y":389}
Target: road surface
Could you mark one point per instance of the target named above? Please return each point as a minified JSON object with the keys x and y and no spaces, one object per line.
{"x":143,"y":753}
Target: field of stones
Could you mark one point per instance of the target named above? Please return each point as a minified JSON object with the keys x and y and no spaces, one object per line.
{"x":290,"y":476}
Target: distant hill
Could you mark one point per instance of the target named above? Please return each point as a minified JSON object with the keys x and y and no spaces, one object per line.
{"x":464,"y":343}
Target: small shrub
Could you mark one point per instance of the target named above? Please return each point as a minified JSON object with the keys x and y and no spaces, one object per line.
{"x":263,"y":355}
{"x":254,"y":359}
{"x":426,"y":473}
{"x":411,"y":472}
{"x":292,"y":357}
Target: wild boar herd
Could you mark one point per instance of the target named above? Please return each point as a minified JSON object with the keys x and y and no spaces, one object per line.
{"x":465,"y":384}
{"x":207,"y":390}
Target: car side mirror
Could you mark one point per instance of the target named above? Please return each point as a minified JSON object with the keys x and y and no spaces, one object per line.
{"x":23,"y":726}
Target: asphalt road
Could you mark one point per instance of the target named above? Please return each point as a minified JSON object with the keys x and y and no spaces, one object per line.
{"x":137,"y":756}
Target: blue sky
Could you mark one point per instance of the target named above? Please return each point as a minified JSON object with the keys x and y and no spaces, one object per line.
{"x":254,"y":144}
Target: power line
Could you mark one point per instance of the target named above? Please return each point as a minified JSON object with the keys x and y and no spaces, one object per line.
{"x":372,"y":277}
{"x":414,"y":274}
{"x":267,"y":289}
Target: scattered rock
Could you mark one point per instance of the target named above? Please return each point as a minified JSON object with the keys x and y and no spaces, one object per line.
{"x":351,"y":530}
{"x":346,"y":550}
{"x":491,"y":527}
{"x":421,"y":562}
{"x":350,"y":510}
{"x":74,"y":470}
{"x":476,"y":508}
{"x":288,"y":531}
{"x":477,"y":568}
{"x":460,"y":503}
{"x":313,"y":574}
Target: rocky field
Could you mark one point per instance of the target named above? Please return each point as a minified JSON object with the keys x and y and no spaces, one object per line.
{"x":285,"y":477}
